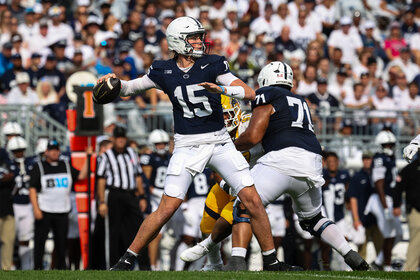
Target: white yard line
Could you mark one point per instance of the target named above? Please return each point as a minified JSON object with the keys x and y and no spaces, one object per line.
{"x":335,"y":276}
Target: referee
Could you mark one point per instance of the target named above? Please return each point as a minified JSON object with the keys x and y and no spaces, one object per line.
{"x":50,"y":184}
{"x":119,"y":174}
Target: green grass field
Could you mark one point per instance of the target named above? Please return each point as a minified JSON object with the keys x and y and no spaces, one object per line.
{"x":114,"y":275}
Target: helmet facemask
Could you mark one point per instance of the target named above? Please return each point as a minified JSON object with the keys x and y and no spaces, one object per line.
{"x":388,"y":148}
{"x":232,"y":115}
{"x":161,"y":151}
{"x":190,"y":50}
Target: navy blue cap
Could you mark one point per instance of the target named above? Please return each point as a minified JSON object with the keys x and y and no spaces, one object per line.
{"x":117,"y":62}
{"x":51,"y":56}
{"x":243,"y":49}
{"x":36,"y":55}
{"x":119,"y":131}
{"x":16,"y":56}
{"x":322,"y":80}
{"x":8,"y":45}
{"x":53,"y":144}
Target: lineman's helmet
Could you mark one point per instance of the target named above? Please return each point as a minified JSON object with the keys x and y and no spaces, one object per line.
{"x":276,"y":73}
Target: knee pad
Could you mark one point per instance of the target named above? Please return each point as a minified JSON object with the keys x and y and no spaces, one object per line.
{"x":240,"y":215}
{"x":309,"y":225}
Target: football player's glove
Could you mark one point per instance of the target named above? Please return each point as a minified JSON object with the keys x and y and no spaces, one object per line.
{"x":106,"y":91}
{"x":410,"y":150}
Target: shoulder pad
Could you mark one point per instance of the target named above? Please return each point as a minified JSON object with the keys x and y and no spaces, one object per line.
{"x":159,"y":64}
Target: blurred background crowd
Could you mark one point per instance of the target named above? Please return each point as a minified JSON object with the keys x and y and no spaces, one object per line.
{"x":357,"y":62}
{"x":347,"y":56}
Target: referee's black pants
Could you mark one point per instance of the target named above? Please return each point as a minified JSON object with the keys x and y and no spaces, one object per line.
{"x":125,"y":219}
{"x":59,"y":223}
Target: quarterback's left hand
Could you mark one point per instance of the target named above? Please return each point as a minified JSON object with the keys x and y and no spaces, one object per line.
{"x":410,"y":151}
{"x":213,"y":88}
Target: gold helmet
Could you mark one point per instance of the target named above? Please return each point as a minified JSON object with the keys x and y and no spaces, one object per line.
{"x":232,"y":112}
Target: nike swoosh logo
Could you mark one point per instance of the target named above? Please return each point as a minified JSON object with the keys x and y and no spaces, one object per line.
{"x":204,"y":66}
{"x":276,"y":262}
{"x":127,"y":262}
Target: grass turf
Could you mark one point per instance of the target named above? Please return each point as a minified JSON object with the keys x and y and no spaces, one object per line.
{"x":160,"y":275}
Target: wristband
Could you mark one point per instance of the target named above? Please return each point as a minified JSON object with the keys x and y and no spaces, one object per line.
{"x":234,"y":91}
{"x":223,"y":89}
{"x":142,"y":196}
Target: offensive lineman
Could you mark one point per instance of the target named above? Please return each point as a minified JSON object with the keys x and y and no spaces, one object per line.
{"x":201,"y":140}
{"x":292,"y":161}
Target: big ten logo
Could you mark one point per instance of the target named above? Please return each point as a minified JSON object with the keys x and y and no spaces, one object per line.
{"x":58,"y":182}
{"x":88,"y":110}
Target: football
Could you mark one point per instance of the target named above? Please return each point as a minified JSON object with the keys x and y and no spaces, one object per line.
{"x":106,"y":91}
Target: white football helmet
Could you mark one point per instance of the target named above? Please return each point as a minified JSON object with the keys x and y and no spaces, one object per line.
{"x":41,"y":145}
{"x":16,"y":143}
{"x":233,"y":109}
{"x":179,"y":30}
{"x":385,"y":137}
{"x":12,"y":128}
{"x":276,"y":73}
{"x":159,"y":136}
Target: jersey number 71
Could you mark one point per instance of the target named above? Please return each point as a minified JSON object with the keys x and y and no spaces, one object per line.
{"x":299,"y":113}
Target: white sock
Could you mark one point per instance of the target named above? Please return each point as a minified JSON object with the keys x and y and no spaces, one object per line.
{"x":333,"y":237}
{"x":214,"y":256}
{"x":179,"y":264}
{"x":208,"y":242}
{"x":26,"y":257}
{"x":238,"y":252}
{"x":131,"y":252}
{"x":380,"y":258}
{"x":269,"y":252}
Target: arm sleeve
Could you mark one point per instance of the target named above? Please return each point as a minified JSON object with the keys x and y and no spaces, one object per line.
{"x":378,"y":170}
{"x":136,"y":86}
{"x":226,"y":79}
{"x":35,"y":181}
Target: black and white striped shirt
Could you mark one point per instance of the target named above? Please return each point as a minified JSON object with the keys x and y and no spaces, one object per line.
{"x":119,"y":169}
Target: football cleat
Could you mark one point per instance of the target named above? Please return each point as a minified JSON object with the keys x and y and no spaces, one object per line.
{"x":194,"y":253}
{"x":271,"y":263}
{"x":106,"y":91}
{"x":355,"y":261}
{"x":236,"y":264}
{"x":126,"y":262}
{"x":213,"y":267}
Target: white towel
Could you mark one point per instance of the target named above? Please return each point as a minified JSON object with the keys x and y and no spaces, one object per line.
{"x":198,"y":162}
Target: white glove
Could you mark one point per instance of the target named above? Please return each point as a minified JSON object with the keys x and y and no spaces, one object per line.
{"x":410,"y":151}
{"x":388,"y":214}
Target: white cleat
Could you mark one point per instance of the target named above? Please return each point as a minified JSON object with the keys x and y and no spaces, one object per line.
{"x":194,"y":253}
{"x":213,"y":267}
